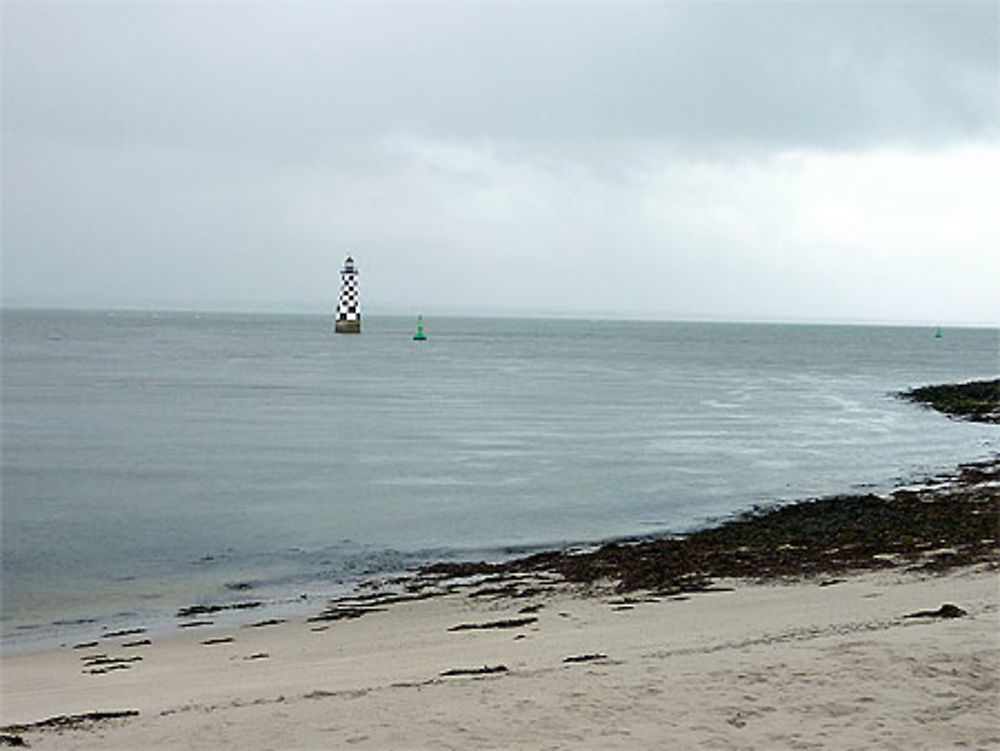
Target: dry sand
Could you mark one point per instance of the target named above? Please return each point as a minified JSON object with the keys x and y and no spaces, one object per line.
{"x":798,"y":666}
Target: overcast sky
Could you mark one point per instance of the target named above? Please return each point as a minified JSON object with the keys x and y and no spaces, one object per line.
{"x":721,"y":160}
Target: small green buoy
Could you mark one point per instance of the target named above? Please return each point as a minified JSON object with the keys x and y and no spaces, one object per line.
{"x":937,"y":334}
{"x":420,"y":336}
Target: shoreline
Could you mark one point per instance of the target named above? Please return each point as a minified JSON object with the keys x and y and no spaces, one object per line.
{"x":943,"y":522}
{"x":456,"y":647}
{"x":577,"y":563}
{"x":46,"y":603}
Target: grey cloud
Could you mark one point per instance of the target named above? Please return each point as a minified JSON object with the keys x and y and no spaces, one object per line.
{"x":296,"y":78}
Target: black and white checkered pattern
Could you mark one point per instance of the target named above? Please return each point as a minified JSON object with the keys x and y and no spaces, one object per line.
{"x":349,"y":308}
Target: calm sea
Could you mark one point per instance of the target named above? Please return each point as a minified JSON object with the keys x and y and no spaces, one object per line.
{"x":152,"y":461}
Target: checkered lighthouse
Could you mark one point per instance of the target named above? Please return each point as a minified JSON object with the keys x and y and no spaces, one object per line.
{"x":349,"y":307}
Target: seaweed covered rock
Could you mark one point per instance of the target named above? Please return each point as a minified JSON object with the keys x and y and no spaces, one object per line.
{"x":978,"y":401}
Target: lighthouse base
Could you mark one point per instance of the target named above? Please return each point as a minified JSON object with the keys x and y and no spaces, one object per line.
{"x":347,"y":327}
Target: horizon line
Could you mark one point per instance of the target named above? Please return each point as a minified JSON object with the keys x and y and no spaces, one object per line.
{"x":514,"y":313}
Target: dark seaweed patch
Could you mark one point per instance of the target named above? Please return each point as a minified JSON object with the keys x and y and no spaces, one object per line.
{"x":978,"y":401}
{"x":945,"y":611}
{"x":484,"y":670}
{"x":585,"y":658}
{"x":507,"y":623}
{"x":942,"y":523}
{"x":125,"y":632}
{"x":340,"y":613}
{"x":70,"y":722}
{"x":207,"y":609}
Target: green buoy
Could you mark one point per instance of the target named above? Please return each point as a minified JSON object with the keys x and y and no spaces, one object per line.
{"x":420,"y":336}
{"x":937,"y":334}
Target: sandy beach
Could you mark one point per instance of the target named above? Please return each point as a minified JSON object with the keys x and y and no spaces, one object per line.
{"x":811,"y":664}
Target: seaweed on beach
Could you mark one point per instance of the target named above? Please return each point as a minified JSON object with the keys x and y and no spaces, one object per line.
{"x":945,"y":611}
{"x":505,"y":623}
{"x":65,"y":722}
{"x":936,"y":527}
{"x":943,"y":523}
{"x":209,"y":609}
{"x":96,"y":660}
{"x":585,"y":658}
{"x":340,"y":613}
{"x":124,"y":632}
{"x":484,"y":670}
{"x":267,"y":622}
{"x":978,"y":401}
{"x":218,"y":640}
